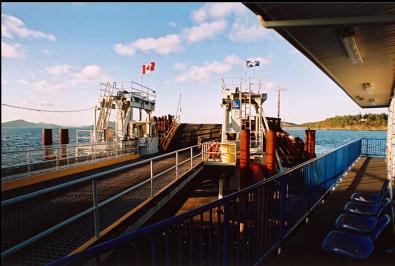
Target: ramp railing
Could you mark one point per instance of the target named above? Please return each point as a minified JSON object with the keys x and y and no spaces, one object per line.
{"x":155,"y":177}
{"x":20,"y":164}
{"x":242,"y":228}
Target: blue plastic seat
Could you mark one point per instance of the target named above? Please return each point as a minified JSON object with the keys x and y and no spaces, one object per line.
{"x":355,"y":223}
{"x":353,"y":245}
{"x":371,"y":197}
{"x":365,"y":209}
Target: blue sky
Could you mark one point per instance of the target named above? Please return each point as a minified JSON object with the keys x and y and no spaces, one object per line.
{"x":55,"y":54}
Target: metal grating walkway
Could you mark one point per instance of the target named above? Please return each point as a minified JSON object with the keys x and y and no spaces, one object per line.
{"x":22,"y":221}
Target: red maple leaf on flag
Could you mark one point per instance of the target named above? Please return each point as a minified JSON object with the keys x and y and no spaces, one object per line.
{"x":146,"y":68}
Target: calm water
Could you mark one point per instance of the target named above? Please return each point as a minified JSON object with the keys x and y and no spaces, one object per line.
{"x":326,"y":140}
{"x":30,"y":138}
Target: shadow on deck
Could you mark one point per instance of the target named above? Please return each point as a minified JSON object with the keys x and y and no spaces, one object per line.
{"x":304,"y":246}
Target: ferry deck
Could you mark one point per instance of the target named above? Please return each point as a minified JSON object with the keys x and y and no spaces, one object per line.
{"x":282,"y":219}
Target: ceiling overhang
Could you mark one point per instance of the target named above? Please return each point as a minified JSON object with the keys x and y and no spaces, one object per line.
{"x":352,"y":43}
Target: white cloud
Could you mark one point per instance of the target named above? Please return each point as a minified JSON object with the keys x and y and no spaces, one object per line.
{"x":23,"y":81}
{"x":11,"y":50}
{"x":233,"y":59}
{"x":14,"y":27}
{"x":90,"y":74}
{"x":217,"y":11}
{"x":4,"y":81}
{"x":172,"y":24}
{"x":204,"y":30}
{"x":199,"y":15}
{"x":168,"y":44}
{"x":45,"y":51}
{"x":242,"y":32}
{"x":271,"y":86}
{"x":58,"y":69}
{"x":205,"y":72}
{"x":45,"y":104}
{"x":180,"y":66}
{"x":47,"y":86}
{"x":66,"y":77}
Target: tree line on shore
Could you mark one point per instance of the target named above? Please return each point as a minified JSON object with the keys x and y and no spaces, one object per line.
{"x":356,"y":122}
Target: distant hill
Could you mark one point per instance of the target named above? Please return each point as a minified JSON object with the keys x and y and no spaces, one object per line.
{"x":20,"y":123}
{"x":352,"y":122}
{"x":289,"y":124}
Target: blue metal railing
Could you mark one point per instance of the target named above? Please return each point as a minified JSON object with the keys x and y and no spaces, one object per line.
{"x":374,"y":147}
{"x":241,"y":228}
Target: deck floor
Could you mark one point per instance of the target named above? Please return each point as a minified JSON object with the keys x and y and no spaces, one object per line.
{"x":304,"y":246}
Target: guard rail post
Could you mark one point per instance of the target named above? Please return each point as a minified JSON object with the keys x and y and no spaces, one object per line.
{"x":152,"y":178}
{"x":176,"y":164}
{"x":191,"y":157}
{"x":96,"y":211}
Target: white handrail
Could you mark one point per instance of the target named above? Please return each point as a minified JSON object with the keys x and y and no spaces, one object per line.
{"x":96,"y":204}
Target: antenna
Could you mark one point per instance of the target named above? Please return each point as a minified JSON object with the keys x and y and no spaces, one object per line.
{"x":278,"y":104}
{"x":179,"y":107}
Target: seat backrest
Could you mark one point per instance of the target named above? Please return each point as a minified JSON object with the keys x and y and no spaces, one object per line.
{"x":385,"y":186}
{"x":383,"y":204}
{"x":380,"y":226}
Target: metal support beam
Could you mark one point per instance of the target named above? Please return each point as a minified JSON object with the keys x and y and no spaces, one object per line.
{"x":327,"y":22}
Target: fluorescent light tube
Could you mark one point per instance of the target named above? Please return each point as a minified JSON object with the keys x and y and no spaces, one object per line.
{"x":352,"y":49}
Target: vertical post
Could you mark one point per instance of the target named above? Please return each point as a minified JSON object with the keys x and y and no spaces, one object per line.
{"x":96,"y":210}
{"x":270,"y":156}
{"x":306,"y":143}
{"x":28,"y":163}
{"x":92,"y":152}
{"x":326,"y":175}
{"x":282,"y":192}
{"x":57,"y":151}
{"x":225,"y":125}
{"x":94,"y":126}
{"x":47,"y":136}
{"x":244,"y":158}
{"x":68,"y":157}
{"x":176,"y":164}
{"x":191,"y":157}
{"x":225,"y":258}
{"x":309,"y":146}
{"x":312,"y":143}
{"x":220,"y":188}
{"x":152,"y":178}
{"x":63,"y":136}
{"x":63,"y":141}
{"x":278,"y":104}
{"x":203,"y":153}
{"x":47,"y":141}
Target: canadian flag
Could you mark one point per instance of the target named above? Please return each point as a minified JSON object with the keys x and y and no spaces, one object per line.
{"x":148,"y":67}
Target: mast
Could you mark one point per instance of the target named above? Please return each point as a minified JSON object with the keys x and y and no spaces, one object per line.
{"x":278,"y":104}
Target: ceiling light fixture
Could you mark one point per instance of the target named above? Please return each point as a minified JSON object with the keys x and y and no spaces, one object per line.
{"x":350,"y":45}
{"x":371,"y":101}
{"x":368,"y":88}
